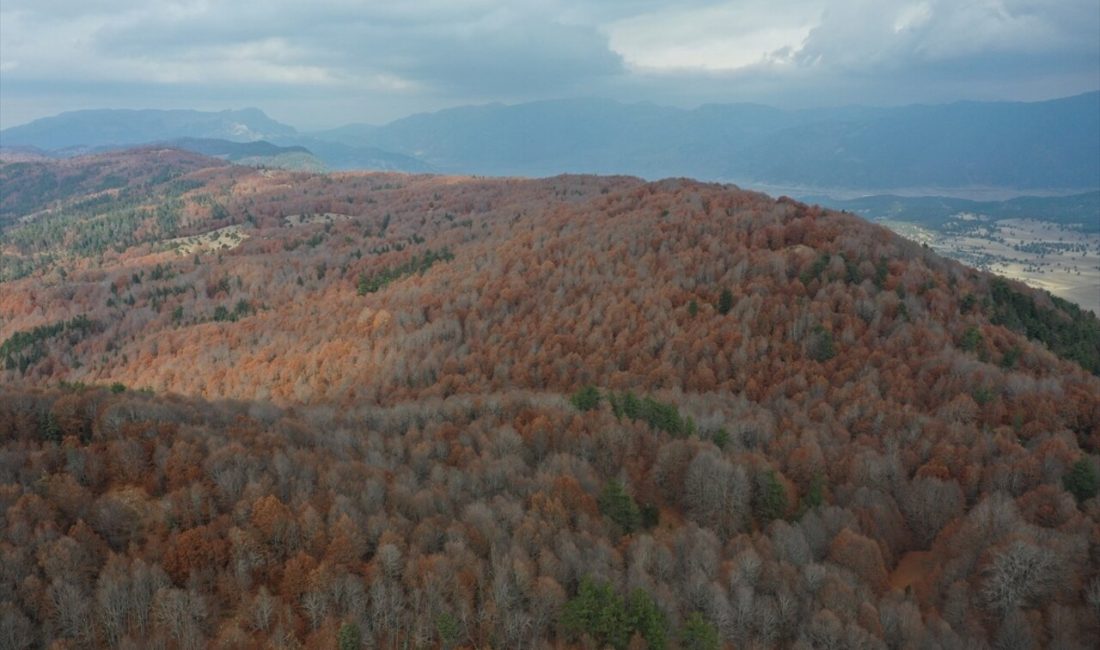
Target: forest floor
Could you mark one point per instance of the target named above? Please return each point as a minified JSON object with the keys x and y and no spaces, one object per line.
{"x":913,"y":568}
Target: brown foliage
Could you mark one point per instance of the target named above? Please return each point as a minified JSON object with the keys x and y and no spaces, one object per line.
{"x":196,"y":549}
{"x":408,"y":460}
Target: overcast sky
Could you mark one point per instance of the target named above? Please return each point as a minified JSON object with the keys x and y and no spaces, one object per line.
{"x":321,"y":63}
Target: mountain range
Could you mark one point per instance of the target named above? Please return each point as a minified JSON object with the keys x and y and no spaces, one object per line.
{"x":248,"y":136}
{"x":937,"y":149}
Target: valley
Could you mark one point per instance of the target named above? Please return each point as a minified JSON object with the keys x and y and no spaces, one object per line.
{"x":1060,"y":259}
{"x":1048,"y":242}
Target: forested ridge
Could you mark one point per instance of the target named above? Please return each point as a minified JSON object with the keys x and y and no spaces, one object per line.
{"x":417,"y":411}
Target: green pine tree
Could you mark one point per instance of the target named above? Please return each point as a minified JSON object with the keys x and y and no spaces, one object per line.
{"x":822,"y":347}
{"x":645,"y":618}
{"x":349,"y":637}
{"x":599,"y":612}
{"x":620,"y":507}
{"x":586,"y":398}
{"x":769,"y":499}
{"x":49,"y":428}
{"x":698,"y":634}
{"x":1081,"y":481}
{"x":725,"y":302}
{"x":447,"y":627}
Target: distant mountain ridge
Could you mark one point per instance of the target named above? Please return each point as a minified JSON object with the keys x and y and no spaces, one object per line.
{"x":257,"y":153}
{"x":1051,"y":144}
{"x":1077,"y":209}
{"x":215,"y":147}
{"x":234,"y":150}
{"x":339,"y":156}
{"x":226,"y":134}
{"x":115,"y":127}
{"x":1048,"y":145}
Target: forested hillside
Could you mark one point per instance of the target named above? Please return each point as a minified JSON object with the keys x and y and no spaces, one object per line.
{"x":262,"y":408}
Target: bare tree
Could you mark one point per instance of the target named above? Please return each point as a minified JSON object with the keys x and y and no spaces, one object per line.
{"x":1019,"y":575}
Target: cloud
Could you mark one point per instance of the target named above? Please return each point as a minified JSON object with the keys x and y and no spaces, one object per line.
{"x":375,"y":60}
{"x":726,"y":36}
{"x":864,"y":51}
{"x":867,"y":34}
{"x":468,"y":48}
{"x":509,"y":56}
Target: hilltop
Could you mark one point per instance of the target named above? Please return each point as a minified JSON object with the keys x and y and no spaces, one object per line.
{"x":449,"y":410}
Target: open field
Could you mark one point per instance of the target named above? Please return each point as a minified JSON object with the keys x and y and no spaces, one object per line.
{"x":225,"y":238}
{"x":1061,"y":259}
{"x":306,"y":219}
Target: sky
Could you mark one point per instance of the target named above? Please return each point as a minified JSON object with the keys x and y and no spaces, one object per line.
{"x":323,"y":63}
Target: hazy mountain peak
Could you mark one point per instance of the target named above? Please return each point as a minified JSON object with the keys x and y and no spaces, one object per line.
{"x":99,"y":127}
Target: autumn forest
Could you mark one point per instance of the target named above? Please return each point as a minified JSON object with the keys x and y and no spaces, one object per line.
{"x":251,"y":408}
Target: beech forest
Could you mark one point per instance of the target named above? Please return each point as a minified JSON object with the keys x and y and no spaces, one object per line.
{"x":251,"y":408}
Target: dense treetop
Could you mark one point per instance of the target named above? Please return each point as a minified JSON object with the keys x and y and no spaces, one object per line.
{"x":457,"y":411}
